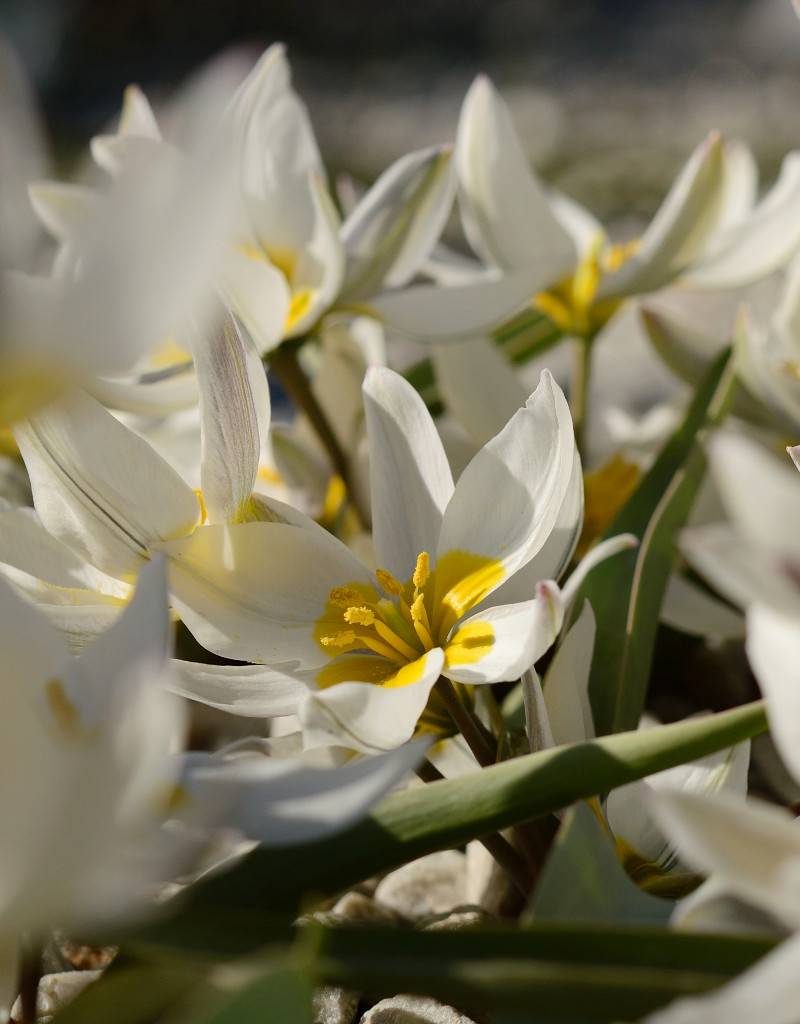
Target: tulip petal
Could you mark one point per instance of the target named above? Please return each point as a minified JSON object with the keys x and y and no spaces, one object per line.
{"x":761,"y":243}
{"x":773,"y":645}
{"x":410,"y":476}
{"x":506,"y":214}
{"x":395,"y":225}
{"x":752,"y":847}
{"x":436,"y":313}
{"x":681,"y":228}
{"x":256,"y":591}
{"x":281,"y":803}
{"x":368,"y":717}
{"x":257,"y":292}
{"x":566,"y":684}
{"x":252,"y":691}
{"x":500,"y":643}
{"x":99,"y":487}
{"x":507,"y":500}
{"x":235,"y":414}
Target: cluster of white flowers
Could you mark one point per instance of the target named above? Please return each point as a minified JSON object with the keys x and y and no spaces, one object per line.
{"x":367,"y":590}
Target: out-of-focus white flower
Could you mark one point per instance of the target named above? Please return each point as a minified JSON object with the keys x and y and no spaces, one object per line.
{"x":85,"y":742}
{"x":699,"y":233}
{"x":138,"y":264}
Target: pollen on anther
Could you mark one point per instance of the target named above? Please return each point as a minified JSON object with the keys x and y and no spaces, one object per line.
{"x":344,"y":596}
{"x":389,"y":583}
{"x":422,"y":570}
{"x":360,"y":615}
{"x":343,"y":638}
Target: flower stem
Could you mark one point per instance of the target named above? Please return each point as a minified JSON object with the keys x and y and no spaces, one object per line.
{"x":479,"y":741}
{"x":579,"y":389}
{"x":283,"y":360}
{"x":498,"y":846}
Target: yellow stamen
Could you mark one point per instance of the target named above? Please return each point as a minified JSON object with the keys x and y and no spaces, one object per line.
{"x":389,"y":583}
{"x":382,"y":648}
{"x":201,"y":501}
{"x":335,"y":497}
{"x":422,"y":570}
{"x":344,"y":596}
{"x":343,"y":638}
{"x":422,"y":627}
{"x":361,"y":616}
{"x":298,"y":307}
{"x":395,"y":641}
{"x":269,"y":475}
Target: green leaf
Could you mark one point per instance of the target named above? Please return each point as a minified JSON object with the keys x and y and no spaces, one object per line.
{"x":583,"y":879}
{"x":243,"y":993}
{"x":628,"y":590}
{"x":434,"y":817}
{"x":527,"y":335}
{"x":130,"y":994}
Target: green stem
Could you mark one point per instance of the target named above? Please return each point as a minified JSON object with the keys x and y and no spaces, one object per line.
{"x":283,"y":360}
{"x":478,"y":740}
{"x":498,"y":846}
{"x":579,"y":389}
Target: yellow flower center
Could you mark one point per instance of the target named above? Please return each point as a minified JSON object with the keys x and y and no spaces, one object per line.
{"x":571,"y":304}
{"x":387,"y":632}
{"x":285,"y":261}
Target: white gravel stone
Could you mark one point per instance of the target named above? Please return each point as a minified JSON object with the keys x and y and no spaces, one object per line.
{"x":430,"y":885}
{"x":413,"y":1010}
{"x":56,"y":991}
{"x":334,"y":1006}
{"x":487,"y":885}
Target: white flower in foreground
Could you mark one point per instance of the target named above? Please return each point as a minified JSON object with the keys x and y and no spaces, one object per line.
{"x":304,"y":604}
{"x":85,"y":745}
{"x":513,"y":221}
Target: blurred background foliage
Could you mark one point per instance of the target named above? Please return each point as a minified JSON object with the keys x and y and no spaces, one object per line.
{"x":610,"y":96}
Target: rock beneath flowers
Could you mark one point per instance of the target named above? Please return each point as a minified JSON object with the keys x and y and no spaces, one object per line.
{"x":413,"y":1010}
{"x":334,"y":1006}
{"x":487,"y":885}
{"x":355,"y":906}
{"x":430,"y":885}
{"x":457,"y":920}
{"x":56,"y":991}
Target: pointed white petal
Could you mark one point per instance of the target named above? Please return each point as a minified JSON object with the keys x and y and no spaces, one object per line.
{"x":147,"y":397}
{"x":258,"y":294}
{"x":435,"y":313}
{"x":581,"y":225}
{"x":100,"y":488}
{"x":136,"y":116}
{"x":367,"y":717}
{"x":628,"y":808}
{"x":410,"y":476}
{"x":741,"y":183}
{"x":281,"y":802}
{"x":26,"y":545}
{"x":760,"y":244}
{"x":759,"y":492}
{"x":62,"y":209}
{"x":507,"y":500}
{"x":694,"y":611}
{"x":537,"y":719}
{"x":506,"y":214}
{"x":500,"y":643}
{"x":397,"y":222}
{"x":742,"y":572}
{"x":773,"y":645}
{"x":681,"y":229}
{"x":767,"y":992}
{"x":255,"y":591}
{"x":235,"y":414}
{"x":566,"y":684}
{"x":752,"y":847}
{"x":253,"y":691}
